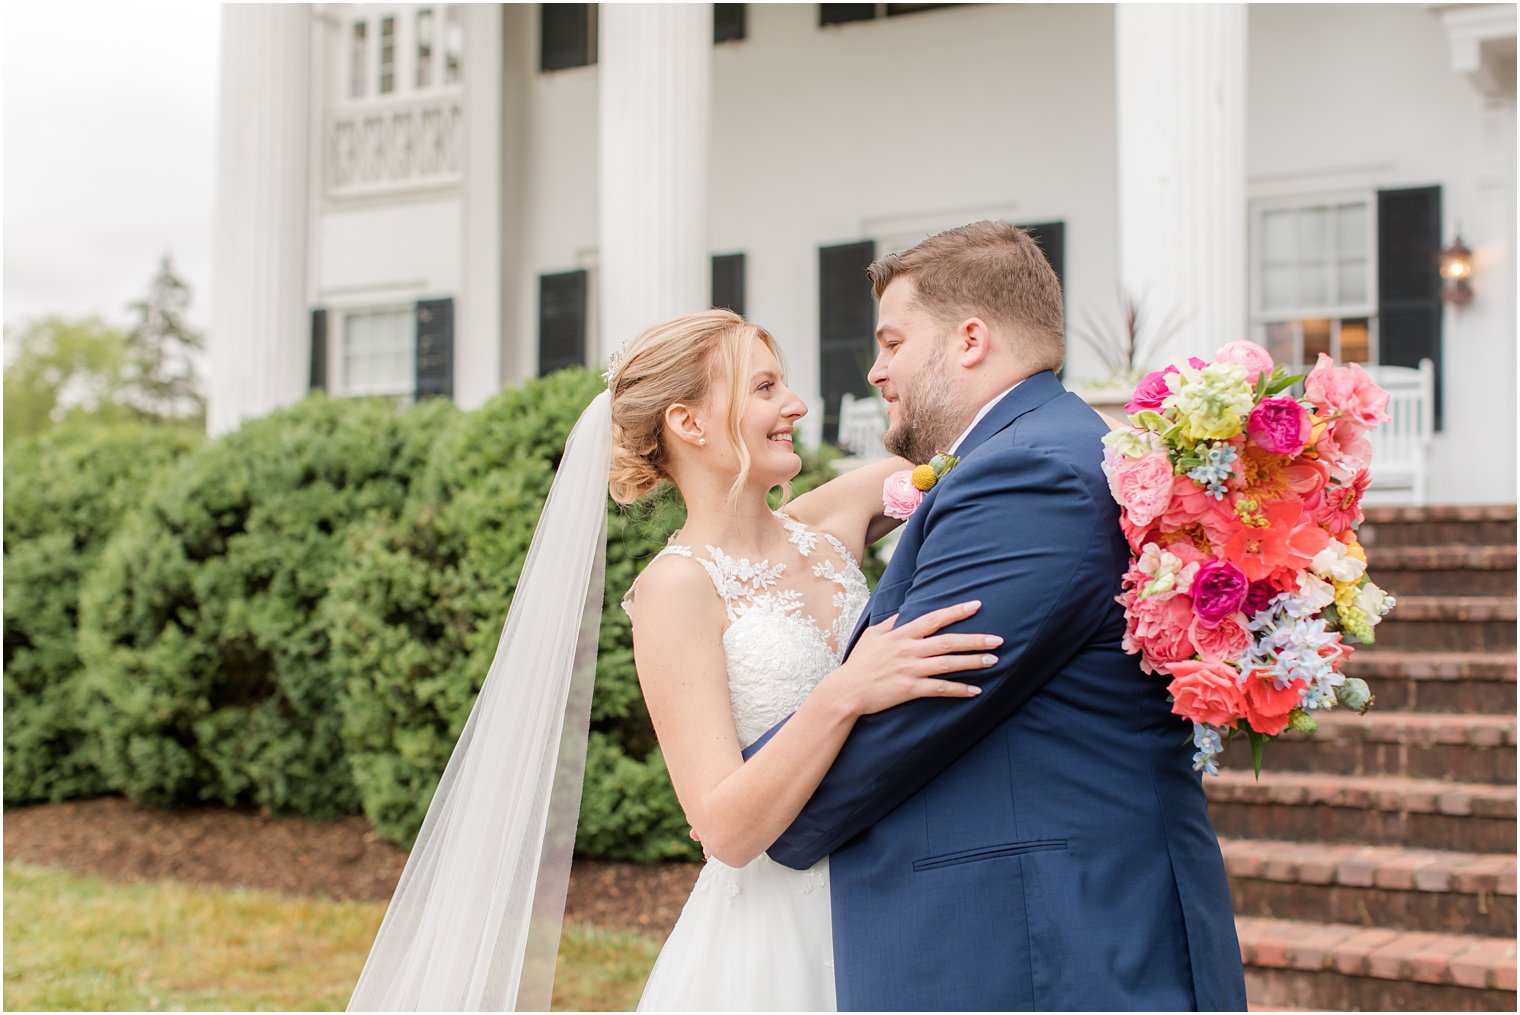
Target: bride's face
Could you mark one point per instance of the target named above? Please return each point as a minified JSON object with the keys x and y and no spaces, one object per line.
{"x":771,"y":409}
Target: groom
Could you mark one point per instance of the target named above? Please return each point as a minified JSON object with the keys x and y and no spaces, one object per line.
{"x":1046,"y":844}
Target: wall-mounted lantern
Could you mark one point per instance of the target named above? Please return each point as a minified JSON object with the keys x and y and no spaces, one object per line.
{"x":1456,"y":270}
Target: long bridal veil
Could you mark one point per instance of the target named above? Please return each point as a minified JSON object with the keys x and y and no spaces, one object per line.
{"x":475,"y":920}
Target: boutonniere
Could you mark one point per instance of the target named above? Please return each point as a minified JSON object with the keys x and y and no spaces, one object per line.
{"x":901,"y":493}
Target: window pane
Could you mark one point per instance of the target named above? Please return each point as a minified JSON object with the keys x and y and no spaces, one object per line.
{"x":378,"y":351}
{"x":1313,"y":285}
{"x":358,"y":59}
{"x":1316,"y":340}
{"x":1356,"y":346}
{"x":1277,"y":288}
{"x":1351,"y":282}
{"x":1351,"y":229}
{"x":1282,"y":341}
{"x":453,"y":44}
{"x":387,"y":55}
{"x":1314,"y":231}
{"x":1277,"y":242}
{"x":425,"y":48}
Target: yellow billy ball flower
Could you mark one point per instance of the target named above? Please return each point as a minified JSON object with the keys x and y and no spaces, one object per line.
{"x":924,"y":478}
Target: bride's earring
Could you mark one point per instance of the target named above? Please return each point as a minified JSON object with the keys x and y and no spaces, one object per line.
{"x":701,"y":442}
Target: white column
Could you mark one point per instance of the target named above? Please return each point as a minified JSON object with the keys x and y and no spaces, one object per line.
{"x":655,"y":67}
{"x":260,"y":335}
{"x":478,"y":325}
{"x":1181,"y":74}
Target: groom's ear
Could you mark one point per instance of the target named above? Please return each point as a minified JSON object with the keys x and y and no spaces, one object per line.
{"x":972,"y":342}
{"x":682,"y":420}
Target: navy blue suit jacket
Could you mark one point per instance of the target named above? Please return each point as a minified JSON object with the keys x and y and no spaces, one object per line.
{"x":1045,"y":845}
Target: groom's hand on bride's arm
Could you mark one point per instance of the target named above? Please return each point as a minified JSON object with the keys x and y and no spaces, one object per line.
{"x":1017,"y":534}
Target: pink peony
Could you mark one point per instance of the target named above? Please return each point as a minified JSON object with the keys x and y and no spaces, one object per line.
{"x":1191,"y":506}
{"x":1253,"y":357}
{"x":1219,"y":589}
{"x":1347,"y":392}
{"x":1157,"y":629}
{"x":1344,"y":447}
{"x":1267,"y":708}
{"x":899,"y":497}
{"x":1150,"y":392}
{"x":1221,"y":642}
{"x":1206,"y":692}
{"x":1279,"y":425}
{"x":1144,"y":486}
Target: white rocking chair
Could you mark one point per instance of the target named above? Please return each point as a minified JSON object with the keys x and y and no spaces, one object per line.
{"x":1401,"y":447}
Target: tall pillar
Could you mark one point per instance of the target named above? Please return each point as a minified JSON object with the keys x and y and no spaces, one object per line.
{"x":1181,"y":74}
{"x":655,"y":67}
{"x":478,"y":332}
{"x":260,"y":335}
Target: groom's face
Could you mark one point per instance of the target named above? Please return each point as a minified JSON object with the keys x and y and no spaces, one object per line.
{"x":923,"y":414}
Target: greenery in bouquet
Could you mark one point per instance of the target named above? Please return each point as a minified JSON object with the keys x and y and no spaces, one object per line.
{"x":1240,"y":502}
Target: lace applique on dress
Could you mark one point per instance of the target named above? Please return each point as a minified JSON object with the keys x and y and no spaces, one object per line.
{"x":776,"y":651}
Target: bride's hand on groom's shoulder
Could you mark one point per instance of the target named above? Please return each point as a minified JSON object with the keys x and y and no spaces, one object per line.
{"x":891,"y":664}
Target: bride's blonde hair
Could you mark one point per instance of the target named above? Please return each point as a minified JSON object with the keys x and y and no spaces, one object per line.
{"x":677,"y":360}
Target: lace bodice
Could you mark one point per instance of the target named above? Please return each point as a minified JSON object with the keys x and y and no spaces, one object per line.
{"x":776,"y":649}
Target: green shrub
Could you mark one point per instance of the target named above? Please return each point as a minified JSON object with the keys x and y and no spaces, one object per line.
{"x":416,"y":615}
{"x":65,"y":491}
{"x":208,"y":667}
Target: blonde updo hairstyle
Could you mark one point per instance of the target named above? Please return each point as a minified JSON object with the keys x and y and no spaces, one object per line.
{"x":677,"y":360}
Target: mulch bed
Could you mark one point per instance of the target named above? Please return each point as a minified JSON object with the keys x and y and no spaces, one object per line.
{"x":342,"y":859}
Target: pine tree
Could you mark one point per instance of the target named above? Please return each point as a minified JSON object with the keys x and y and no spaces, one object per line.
{"x":165,"y":352}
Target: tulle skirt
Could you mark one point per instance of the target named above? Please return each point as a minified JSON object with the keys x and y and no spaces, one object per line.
{"x":754,"y":938}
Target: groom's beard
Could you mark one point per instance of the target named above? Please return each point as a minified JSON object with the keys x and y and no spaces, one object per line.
{"x":929,"y":418}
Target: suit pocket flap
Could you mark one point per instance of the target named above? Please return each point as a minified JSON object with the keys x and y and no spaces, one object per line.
{"x":988,"y":853}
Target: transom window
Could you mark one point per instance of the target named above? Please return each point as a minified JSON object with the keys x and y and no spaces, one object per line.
{"x":397,"y":50}
{"x":1313,"y":286}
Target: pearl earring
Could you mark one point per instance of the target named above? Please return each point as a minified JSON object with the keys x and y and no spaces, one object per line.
{"x":701,"y":442}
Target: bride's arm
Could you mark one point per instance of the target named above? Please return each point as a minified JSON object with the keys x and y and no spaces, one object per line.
{"x":849,"y":507}
{"x":737,"y":808}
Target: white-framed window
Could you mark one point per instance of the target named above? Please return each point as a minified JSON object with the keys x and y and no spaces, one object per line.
{"x":1313,"y":277}
{"x":393,"y":51}
{"x":377,"y":351}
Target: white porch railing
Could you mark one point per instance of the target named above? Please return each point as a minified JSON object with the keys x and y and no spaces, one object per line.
{"x":390,"y":145}
{"x":1401,"y":447}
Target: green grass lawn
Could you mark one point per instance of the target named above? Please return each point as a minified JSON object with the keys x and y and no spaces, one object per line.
{"x":82,"y":943}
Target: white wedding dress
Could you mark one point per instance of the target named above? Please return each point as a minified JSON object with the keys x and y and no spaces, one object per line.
{"x":759,"y":937}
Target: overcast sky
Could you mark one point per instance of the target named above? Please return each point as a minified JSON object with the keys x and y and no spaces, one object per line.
{"x":109,"y":138}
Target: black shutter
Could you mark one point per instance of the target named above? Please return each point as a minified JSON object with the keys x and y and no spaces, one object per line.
{"x":728,"y":22}
{"x":1409,"y":280}
{"x":846,"y":326}
{"x":1051,"y":236}
{"x":838,"y":14}
{"x":567,"y":35}
{"x":561,"y":321}
{"x":728,"y":282}
{"x":319,"y":350}
{"x":435,"y":349}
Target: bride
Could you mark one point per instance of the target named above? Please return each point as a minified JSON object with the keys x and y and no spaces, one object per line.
{"x":740,"y":622}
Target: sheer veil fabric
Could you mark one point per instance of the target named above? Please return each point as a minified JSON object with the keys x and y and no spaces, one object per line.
{"x":475,"y":920}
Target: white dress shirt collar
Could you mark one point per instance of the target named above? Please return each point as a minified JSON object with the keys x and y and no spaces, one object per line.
{"x":980,"y":414}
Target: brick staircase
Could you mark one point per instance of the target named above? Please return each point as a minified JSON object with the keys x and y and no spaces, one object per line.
{"x":1373,"y":864}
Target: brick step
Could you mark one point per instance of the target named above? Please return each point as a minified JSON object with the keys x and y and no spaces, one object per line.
{"x":1415,"y":745}
{"x":1373,"y":886}
{"x":1449,"y":624}
{"x":1460,"y":525}
{"x":1342,"y":967}
{"x":1445,"y":570}
{"x":1472,"y":682}
{"x":1375,"y":810}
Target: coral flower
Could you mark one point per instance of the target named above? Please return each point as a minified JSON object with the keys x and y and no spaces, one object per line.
{"x":1266,"y":707}
{"x":1340,"y":509}
{"x":1289,"y":540}
{"x":1206,"y":692}
{"x":1191,"y":506}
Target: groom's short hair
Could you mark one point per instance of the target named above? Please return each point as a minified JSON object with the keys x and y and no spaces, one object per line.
{"x":986,"y":269}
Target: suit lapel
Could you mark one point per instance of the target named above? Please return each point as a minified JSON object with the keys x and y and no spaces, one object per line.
{"x":1034,"y":392}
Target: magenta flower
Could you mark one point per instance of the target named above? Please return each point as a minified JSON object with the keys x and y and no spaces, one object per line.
{"x":1279,"y":425}
{"x":1219,"y":590}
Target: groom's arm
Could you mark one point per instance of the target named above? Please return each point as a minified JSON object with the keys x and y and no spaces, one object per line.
{"x":1019,"y":536}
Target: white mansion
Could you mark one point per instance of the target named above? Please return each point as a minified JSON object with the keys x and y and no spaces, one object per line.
{"x":425,"y":199}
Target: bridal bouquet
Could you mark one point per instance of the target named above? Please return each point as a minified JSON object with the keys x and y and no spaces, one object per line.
{"x":1240,"y":502}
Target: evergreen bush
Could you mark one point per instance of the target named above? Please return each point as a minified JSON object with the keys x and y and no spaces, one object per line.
{"x":208,"y":670}
{"x":65,"y":491}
